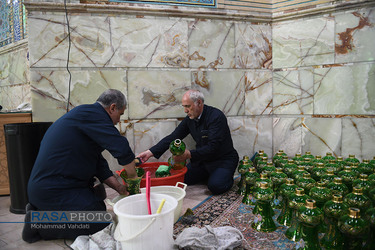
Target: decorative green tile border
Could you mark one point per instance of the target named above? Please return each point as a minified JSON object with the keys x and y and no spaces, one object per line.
{"x":198,"y":3}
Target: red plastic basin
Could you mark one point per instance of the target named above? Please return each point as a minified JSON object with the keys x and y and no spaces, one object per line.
{"x":176,"y":175}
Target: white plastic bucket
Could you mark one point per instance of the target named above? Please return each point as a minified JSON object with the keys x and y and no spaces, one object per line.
{"x":175,"y":191}
{"x":137,"y":229}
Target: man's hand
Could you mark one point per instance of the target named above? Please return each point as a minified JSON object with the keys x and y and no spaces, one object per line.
{"x":144,"y":156}
{"x":113,"y":183}
{"x":180,"y":158}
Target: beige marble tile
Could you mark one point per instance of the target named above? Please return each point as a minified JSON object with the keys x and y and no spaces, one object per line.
{"x":287,"y":135}
{"x":156,"y":94}
{"x":258,"y":92}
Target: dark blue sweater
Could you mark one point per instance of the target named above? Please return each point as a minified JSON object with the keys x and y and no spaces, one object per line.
{"x":70,"y":156}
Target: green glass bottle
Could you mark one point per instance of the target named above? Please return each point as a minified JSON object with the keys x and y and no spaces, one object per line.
{"x":337,"y":187}
{"x":333,"y":211}
{"x":250,"y":178}
{"x":283,"y":162}
{"x":299,"y":172}
{"x":296,"y":201}
{"x":332,"y":165}
{"x":263,"y":221}
{"x":306,"y":182}
{"x":371,"y":179}
{"x":355,"y":168}
{"x":329,"y":157}
{"x":278,"y":177}
{"x":318,"y":171}
{"x":347,"y":177}
{"x":308,"y":164}
{"x":328,"y":177}
{"x":269,"y":168}
{"x":318,"y":159}
{"x":364,"y":183}
{"x":370,"y":216}
{"x":259,"y":156}
{"x":286,"y":190}
{"x":289,"y":167}
{"x":307,"y":155}
{"x":277,"y":157}
{"x":263,"y":177}
{"x":340,"y":161}
{"x":354,"y":229}
{"x":242,"y":168}
{"x":371,"y":195}
{"x":358,"y":200}
{"x":177,"y":147}
{"x":310,"y":217}
{"x":297,"y":159}
{"x":352,"y":159}
{"x":261,"y":164}
{"x":321,"y":194}
{"x":372,"y":162}
{"x":365,"y":167}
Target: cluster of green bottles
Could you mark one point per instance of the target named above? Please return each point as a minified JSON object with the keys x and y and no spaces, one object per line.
{"x":327,"y":196}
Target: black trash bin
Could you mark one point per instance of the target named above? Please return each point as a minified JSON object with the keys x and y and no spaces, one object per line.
{"x":22,"y":141}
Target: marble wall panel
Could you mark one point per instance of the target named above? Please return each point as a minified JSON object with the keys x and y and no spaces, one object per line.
{"x":322,"y":135}
{"x":14,"y":68}
{"x":50,"y":90}
{"x":148,"y":133}
{"x":251,"y":134}
{"x":253,"y":46}
{"x":222,"y":89}
{"x":103,"y":41}
{"x":345,"y":90}
{"x":258,"y":92}
{"x":293,"y":92}
{"x":287,"y":135}
{"x":13,"y":96}
{"x":358,"y":138}
{"x":211,"y":44}
{"x":303,"y":42}
{"x":157,"y":94}
{"x":355,"y":35}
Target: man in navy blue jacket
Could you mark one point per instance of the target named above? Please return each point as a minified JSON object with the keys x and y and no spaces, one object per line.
{"x":214,"y":160}
{"x":69,"y":158}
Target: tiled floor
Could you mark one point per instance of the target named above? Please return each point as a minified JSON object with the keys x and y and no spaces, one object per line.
{"x":11,"y":224}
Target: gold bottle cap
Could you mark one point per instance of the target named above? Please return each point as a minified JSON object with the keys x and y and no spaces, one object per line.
{"x":285,"y":157}
{"x":261,"y":154}
{"x":354,"y":212}
{"x":299,"y":155}
{"x":320,"y":184}
{"x":269,"y":163}
{"x":290,"y":161}
{"x":310,"y":203}
{"x":355,"y":164}
{"x":279,"y":170}
{"x":300,"y":191}
{"x":263,"y":185}
{"x":337,"y":180}
{"x":246,"y":158}
{"x":332,"y":161}
{"x":306,"y":159}
{"x":252,"y":170}
{"x":318,"y":157}
{"x":265,"y":158}
{"x":263,"y":176}
{"x":347,"y":168}
{"x":306,"y":175}
{"x":340,"y":158}
{"x":319,"y":164}
{"x":351,"y":156}
{"x":337,"y":198}
{"x":300,"y":167}
{"x":289,"y":181}
{"x":308,"y":153}
{"x":363,"y":177}
{"x":330,"y":172}
{"x":357,"y":190}
{"x":261,"y":151}
{"x":177,"y":142}
{"x":281,"y":150}
{"x":328,"y":154}
{"x":279,"y":153}
{"x":366,"y":161}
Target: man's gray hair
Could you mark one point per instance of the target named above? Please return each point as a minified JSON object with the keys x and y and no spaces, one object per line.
{"x":111,"y":96}
{"x":196,"y":95}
